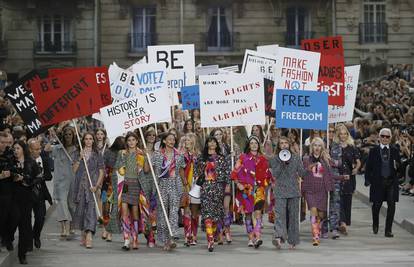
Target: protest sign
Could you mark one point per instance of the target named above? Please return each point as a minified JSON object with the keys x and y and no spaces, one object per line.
{"x":190,"y":96}
{"x":331,"y":69}
{"x":231,"y":100}
{"x":207,"y":70}
{"x":179,"y":60}
{"x":67,"y":96}
{"x":132,"y":113}
{"x":296,"y":69}
{"x":229,"y":69}
{"x":121,"y":82}
{"x":268,"y":49}
{"x":102,"y":79}
{"x":21,"y":97}
{"x":255,"y":62}
{"x":345,"y":113}
{"x":301,"y":109}
{"x":148,"y":78}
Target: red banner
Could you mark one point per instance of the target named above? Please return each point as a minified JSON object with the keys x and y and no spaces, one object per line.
{"x":102,"y":79}
{"x":67,"y":96}
{"x":331,"y":70}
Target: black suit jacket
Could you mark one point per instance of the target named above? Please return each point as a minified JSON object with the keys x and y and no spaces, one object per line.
{"x":47,"y":176}
{"x":373,"y":173}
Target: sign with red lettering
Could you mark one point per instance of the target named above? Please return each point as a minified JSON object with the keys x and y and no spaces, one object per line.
{"x":102,"y":79}
{"x":331,"y":69}
{"x":67,"y":96}
{"x":231,"y":100}
{"x":296,"y":69}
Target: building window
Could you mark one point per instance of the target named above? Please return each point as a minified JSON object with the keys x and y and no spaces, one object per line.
{"x":55,"y":35}
{"x":297,"y":26}
{"x":143,"y":28}
{"x":373,"y":29}
{"x":219,"y":35}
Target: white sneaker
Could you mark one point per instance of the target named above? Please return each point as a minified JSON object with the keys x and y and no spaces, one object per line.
{"x":250,"y":243}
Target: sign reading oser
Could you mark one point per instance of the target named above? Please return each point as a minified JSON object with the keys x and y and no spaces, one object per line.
{"x":301,"y":109}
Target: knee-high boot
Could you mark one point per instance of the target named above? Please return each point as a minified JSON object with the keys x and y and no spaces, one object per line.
{"x":249,"y":231}
{"x":187,"y":230}
{"x":210,"y":234}
{"x":227,"y":223}
{"x":315,"y":225}
{"x":135,"y":232}
{"x":126,"y":231}
{"x":194,"y":230}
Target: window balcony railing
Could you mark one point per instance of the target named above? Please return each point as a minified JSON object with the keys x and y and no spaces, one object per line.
{"x":55,"y":48}
{"x":373,"y":33}
{"x":223,"y":41}
{"x":138,"y":42}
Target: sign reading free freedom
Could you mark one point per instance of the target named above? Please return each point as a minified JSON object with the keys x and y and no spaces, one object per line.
{"x":301,"y":109}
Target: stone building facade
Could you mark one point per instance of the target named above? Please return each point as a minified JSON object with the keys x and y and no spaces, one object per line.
{"x":59,"y":33}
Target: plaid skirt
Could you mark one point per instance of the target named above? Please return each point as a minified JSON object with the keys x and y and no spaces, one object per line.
{"x":317,"y":200}
{"x":130,"y":191}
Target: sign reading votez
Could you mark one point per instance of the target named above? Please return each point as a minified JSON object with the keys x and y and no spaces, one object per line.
{"x":132,"y":113}
{"x":301,"y":109}
{"x":67,"y":96}
{"x":331,"y":70}
{"x":261,"y":63}
{"x":231,"y":100}
{"x":179,"y":60}
{"x":346,"y":112}
{"x":296,"y":69}
{"x":21,"y":96}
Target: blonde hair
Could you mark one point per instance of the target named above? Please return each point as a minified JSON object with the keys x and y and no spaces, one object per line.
{"x":193,"y":139}
{"x":338,"y":129}
{"x":324,"y":154}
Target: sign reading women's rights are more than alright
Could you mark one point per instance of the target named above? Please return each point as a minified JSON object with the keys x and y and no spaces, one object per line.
{"x":231,"y":100}
{"x":301,"y":109}
{"x":296,"y":69}
{"x":179,"y":60}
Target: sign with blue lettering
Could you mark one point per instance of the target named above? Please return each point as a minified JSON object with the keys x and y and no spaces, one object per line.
{"x":190,"y":96}
{"x":301,"y":109}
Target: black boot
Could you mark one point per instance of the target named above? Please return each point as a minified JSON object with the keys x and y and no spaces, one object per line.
{"x":22,"y":259}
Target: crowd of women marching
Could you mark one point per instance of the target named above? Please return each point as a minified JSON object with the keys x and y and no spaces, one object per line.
{"x":205,"y":181}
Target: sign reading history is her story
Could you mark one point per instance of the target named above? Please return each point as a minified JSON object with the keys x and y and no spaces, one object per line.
{"x":179,"y":60}
{"x":301,"y":109}
{"x":231,"y":100}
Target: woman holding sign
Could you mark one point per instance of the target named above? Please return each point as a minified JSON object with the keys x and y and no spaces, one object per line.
{"x":252,"y":176}
{"x":213,"y":174}
{"x":132,"y":162}
{"x":318,"y":181}
{"x":85,"y":212}
{"x":169,"y":168}
{"x":223,"y":226}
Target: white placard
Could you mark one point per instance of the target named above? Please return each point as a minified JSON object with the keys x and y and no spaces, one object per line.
{"x":346,"y":112}
{"x":231,"y":100}
{"x":259,"y":63}
{"x":296,"y":69}
{"x":132,"y":113}
{"x":179,"y":60}
{"x":121,"y":82}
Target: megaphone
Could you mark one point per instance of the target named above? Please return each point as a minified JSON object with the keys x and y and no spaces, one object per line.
{"x":285,"y":155}
{"x":195,"y":191}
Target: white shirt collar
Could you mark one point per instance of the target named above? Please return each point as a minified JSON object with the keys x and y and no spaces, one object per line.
{"x":382,"y":146}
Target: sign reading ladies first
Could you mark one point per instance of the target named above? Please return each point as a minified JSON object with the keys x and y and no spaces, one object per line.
{"x":179,"y":60}
{"x":231,"y":100}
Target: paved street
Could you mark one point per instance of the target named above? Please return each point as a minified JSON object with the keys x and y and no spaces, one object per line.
{"x":360,"y":248}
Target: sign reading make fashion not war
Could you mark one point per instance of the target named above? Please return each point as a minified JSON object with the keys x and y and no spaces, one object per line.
{"x":190,"y":97}
{"x":179,"y":60}
{"x":301,"y":109}
{"x":260,"y":63}
{"x":132,"y":113}
{"x":231,"y":100}
{"x":67,"y":96}
{"x":296,"y":69}
{"x":21,"y":97}
{"x":345,"y":113}
{"x":331,"y":69}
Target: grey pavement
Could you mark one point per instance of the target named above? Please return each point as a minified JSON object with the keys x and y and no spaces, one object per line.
{"x":359,"y":248}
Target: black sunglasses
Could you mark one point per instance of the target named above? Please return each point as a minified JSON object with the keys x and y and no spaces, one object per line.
{"x":385,"y":136}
